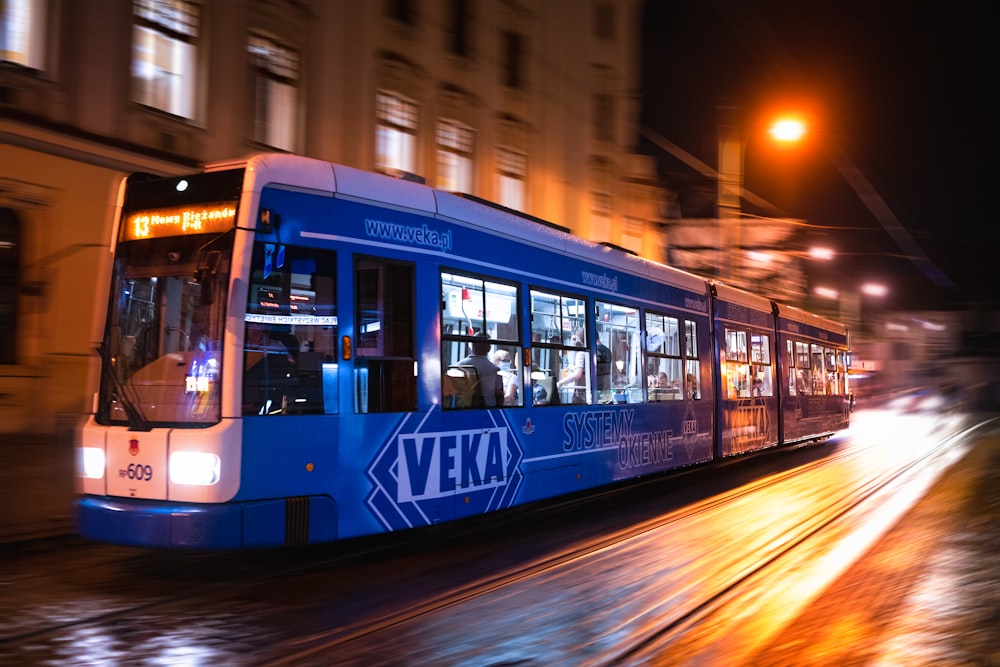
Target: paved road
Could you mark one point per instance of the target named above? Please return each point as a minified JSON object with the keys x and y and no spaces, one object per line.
{"x":928,"y":593}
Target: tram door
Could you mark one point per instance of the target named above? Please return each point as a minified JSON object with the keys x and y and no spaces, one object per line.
{"x":384,"y":346}
{"x":295,"y":362}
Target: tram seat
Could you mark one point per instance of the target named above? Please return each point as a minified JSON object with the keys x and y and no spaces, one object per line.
{"x":310,"y":362}
{"x":464,"y":381}
{"x":547,"y":384}
{"x":310,"y":393}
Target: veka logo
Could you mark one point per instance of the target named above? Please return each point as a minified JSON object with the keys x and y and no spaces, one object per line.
{"x":415,"y":472}
{"x":434,"y":465}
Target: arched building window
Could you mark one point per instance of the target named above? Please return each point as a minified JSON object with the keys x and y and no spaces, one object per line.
{"x":10,"y":262}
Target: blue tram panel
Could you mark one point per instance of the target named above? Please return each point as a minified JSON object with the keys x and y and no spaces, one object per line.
{"x":330,"y":353}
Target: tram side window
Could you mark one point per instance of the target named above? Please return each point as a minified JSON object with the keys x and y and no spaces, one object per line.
{"x":664,"y":366}
{"x":790,"y":365}
{"x":618,"y":354}
{"x":803,"y":369}
{"x":470,"y":307}
{"x":748,"y":368}
{"x":692,"y":363}
{"x":385,"y":346}
{"x":834,"y":380}
{"x":735,"y":367}
{"x":761,"y":369}
{"x":560,"y":370}
{"x":842,"y":372}
{"x":290,"y":337}
{"x":817,"y":368}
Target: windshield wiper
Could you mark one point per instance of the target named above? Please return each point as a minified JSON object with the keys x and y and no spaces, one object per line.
{"x":136,"y":419}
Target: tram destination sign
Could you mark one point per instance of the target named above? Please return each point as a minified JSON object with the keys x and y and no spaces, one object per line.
{"x":178,"y":221}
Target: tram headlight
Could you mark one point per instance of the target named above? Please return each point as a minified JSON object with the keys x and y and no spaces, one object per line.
{"x":91,"y":462}
{"x":194,"y":468}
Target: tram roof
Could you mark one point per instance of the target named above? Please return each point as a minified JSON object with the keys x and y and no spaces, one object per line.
{"x":805,"y":317}
{"x":736,"y":295}
{"x":381,"y":190}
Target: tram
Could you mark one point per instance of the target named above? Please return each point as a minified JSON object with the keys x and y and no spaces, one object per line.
{"x":298,"y":352}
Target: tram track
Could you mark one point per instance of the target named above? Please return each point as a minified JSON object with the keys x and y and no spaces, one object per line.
{"x":654,"y":643}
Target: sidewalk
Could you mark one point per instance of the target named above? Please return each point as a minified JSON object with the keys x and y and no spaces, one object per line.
{"x":36,"y":486}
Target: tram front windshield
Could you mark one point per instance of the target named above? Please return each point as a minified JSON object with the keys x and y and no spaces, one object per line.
{"x":161,"y":354}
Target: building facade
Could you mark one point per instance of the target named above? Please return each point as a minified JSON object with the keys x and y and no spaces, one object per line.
{"x":533,"y":105}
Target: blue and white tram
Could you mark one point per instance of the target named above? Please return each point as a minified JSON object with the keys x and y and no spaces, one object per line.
{"x":286,"y":361}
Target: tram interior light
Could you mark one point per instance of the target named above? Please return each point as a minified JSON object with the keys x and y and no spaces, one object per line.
{"x":194,"y":468}
{"x":92,"y":462}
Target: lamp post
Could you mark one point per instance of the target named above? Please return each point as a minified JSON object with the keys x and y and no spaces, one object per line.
{"x":732,"y":149}
{"x":730,"y":193}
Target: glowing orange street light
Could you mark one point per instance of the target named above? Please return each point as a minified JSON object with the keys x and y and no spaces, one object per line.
{"x":788,"y":129}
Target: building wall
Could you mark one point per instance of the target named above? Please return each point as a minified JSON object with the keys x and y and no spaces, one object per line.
{"x":69,"y":131}
{"x":63,"y":206}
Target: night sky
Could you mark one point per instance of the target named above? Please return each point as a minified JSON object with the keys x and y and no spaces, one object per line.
{"x":896,"y":96}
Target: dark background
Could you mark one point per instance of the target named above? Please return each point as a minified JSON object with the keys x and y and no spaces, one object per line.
{"x":895,"y":89}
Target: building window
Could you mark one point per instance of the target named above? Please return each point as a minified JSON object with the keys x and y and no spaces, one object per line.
{"x":512,"y":167}
{"x":395,"y":133}
{"x":604,"y":21}
{"x":277,"y":73}
{"x":164,"y":50}
{"x":10,"y":263}
{"x":632,"y":235}
{"x":604,"y":115}
{"x":512,"y":60}
{"x":600,"y":216}
{"x":403,"y":11}
{"x":22,"y":34}
{"x":459,"y":43}
{"x":454,"y":156}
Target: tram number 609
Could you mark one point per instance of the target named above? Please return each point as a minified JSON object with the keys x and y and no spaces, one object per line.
{"x":136,"y":471}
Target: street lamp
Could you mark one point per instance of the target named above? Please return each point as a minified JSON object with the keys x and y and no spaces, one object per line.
{"x":820,"y":252}
{"x":874,"y":289}
{"x":787,"y":129}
